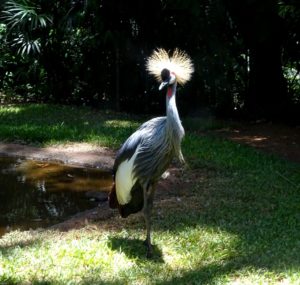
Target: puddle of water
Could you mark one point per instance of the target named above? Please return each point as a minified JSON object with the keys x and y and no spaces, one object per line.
{"x":37,"y":194}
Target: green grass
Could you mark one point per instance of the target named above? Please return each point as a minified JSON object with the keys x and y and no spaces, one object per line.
{"x":237,"y":223}
{"x":51,"y":124}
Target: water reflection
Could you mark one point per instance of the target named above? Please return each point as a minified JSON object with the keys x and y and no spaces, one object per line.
{"x":34,"y":194}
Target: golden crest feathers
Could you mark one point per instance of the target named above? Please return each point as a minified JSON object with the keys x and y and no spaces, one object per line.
{"x":179,"y":63}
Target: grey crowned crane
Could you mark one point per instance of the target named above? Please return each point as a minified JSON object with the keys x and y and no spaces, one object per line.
{"x":147,"y":153}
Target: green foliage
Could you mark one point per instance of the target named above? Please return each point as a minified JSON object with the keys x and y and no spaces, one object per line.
{"x":24,"y":24}
{"x":80,"y":52}
{"x":290,"y":12}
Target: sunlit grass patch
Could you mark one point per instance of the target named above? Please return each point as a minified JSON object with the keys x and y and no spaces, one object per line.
{"x":196,"y":246}
{"x":63,"y":257}
{"x":52,"y":124}
{"x":251,"y":275}
{"x":87,"y":255}
{"x":120,"y":124}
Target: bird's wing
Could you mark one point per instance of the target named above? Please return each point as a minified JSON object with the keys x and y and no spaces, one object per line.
{"x":128,"y":149}
{"x":124,"y":167}
{"x":155,"y":151}
{"x":130,"y":145}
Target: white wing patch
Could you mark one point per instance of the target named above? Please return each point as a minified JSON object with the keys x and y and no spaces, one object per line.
{"x":125,"y":180}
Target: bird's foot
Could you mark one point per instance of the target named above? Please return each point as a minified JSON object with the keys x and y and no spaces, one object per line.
{"x":149,"y":253}
{"x":149,"y":248}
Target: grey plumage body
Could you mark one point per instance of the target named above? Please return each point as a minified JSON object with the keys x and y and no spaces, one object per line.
{"x":154,"y":150}
{"x":158,"y":142}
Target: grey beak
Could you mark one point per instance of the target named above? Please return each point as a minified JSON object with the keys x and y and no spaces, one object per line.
{"x":163,"y":84}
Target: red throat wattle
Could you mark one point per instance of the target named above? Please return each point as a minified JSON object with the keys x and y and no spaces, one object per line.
{"x":169,"y":92}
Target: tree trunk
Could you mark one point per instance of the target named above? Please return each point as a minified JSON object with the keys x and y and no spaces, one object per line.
{"x":267,"y":96}
{"x":262,"y":32}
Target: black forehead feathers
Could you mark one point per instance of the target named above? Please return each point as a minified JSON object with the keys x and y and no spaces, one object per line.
{"x":165,"y":74}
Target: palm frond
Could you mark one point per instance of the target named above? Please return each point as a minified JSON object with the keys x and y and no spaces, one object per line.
{"x":23,"y":19}
{"x":26,"y":46}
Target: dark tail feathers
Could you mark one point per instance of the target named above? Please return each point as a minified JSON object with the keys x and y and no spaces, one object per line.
{"x":112,"y":198}
{"x":135,"y":204}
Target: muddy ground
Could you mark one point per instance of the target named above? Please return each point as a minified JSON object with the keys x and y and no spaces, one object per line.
{"x":281,"y":140}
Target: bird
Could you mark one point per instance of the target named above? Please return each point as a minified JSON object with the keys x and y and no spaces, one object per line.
{"x":148,"y":152}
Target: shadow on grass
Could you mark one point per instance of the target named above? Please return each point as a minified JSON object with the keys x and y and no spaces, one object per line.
{"x":263,"y":218}
{"x":204,"y":275}
{"x":135,"y":248}
{"x":25,"y":243}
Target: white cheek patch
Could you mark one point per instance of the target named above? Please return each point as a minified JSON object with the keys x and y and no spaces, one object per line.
{"x":124,"y":180}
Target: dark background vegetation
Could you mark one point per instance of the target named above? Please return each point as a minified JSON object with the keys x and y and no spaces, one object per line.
{"x":92,"y":52}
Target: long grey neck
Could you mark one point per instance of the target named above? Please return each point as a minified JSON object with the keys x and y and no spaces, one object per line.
{"x":173,"y":121}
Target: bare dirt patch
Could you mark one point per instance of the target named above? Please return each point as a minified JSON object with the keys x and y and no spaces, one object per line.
{"x":280,"y":140}
{"x":82,"y":154}
{"x":276,"y":139}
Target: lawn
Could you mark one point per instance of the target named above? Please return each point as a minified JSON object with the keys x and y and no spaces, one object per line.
{"x":238,"y":223}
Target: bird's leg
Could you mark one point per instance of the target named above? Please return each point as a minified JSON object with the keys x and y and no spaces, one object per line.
{"x":148,"y":204}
